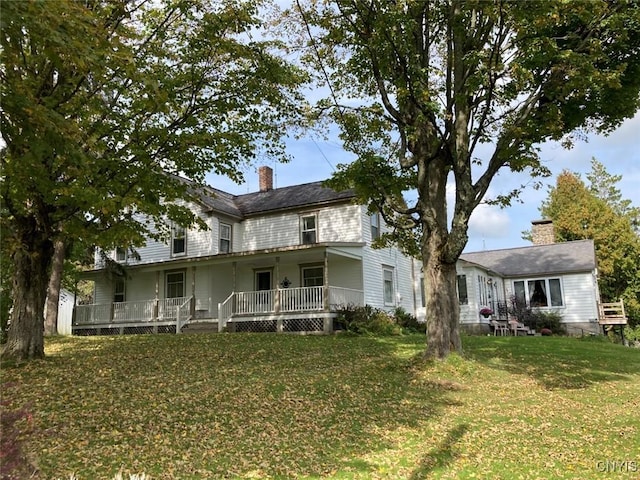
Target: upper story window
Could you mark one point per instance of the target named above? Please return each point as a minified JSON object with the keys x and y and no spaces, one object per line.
{"x":121,"y":254}
{"x":387,"y":285}
{"x":308,"y":229}
{"x":539,"y":292}
{"x":178,"y":240}
{"x":375,"y":226}
{"x":225,"y":238}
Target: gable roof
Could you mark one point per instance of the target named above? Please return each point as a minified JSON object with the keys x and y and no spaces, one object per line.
{"x":555,"y":258}
{"x":256,"y":203}
{"x":285,"y":198}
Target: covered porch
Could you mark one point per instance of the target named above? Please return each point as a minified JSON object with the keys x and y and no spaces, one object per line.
{"x":293,"y":289}
{"x":288,"y":309}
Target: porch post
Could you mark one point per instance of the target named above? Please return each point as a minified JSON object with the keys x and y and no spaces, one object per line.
{"x":325,"y":282}
{"x":156,"y":312}
{"x":192,"y":307}
{"x":233,"y":276}
{"x":327,"y":326}
{"x":276,"y":273}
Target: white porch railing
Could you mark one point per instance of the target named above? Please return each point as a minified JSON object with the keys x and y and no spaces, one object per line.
{"x":251,"y":303}
{"x":129,"y":312}
{"x":340,"y":296}
{"x":301,"y":299}
{"x":183,"y":314}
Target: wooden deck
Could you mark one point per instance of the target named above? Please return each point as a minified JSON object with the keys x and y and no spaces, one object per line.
{"x":612,"y":313}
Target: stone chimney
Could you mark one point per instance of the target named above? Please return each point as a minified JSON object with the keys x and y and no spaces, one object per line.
{"x":542,"y":232}
{"x":265,"y":178}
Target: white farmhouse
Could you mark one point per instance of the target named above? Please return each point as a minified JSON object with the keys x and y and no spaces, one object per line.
{"x":288,"y":259}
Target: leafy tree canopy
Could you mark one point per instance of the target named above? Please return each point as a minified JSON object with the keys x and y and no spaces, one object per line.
{"x":418,"y":88}
{"x":105,"y":103}
{"x":578,"y":212}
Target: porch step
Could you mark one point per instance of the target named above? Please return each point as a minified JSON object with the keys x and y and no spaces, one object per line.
{"x":201,"y":327}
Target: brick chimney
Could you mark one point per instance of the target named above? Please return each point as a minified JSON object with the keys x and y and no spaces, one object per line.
{"x":542,"y":232}
{"x":265,"y":179}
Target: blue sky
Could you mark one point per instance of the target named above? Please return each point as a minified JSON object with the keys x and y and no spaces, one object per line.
{"x":490,"y":227}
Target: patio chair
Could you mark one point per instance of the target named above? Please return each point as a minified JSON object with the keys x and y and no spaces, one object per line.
{"x":515,"y":326}
{"x":499,"y":328}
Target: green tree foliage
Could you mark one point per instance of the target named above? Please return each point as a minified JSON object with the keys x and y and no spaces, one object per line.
{"x":419,"y":88}
{"x":604,"y":186}
{"x":578,"y":212}
{"x":104,"y":103}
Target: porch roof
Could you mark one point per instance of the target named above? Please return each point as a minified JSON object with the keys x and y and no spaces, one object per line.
{"x":343,"y":249}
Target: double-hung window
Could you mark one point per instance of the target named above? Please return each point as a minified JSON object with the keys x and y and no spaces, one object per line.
{"x":387,"y":286}
{"x":308,"y":229}
{"x":539,"y":292}
{"x":225,"y":238}
{"x":121,"y":254}
{"x":313,"y":276}
{"x":175,"y":284}
{"x":375,"y":226}
{"x":178,"y":240}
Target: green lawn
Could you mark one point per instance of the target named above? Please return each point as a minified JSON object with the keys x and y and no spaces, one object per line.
{"x":344,"y":407}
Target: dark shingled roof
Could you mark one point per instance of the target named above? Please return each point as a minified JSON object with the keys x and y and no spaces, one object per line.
{"x":296,"y":196}
{"x":565,"y":257}
{"x":250,"y":204}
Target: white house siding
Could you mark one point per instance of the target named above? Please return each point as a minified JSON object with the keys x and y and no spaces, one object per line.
{"x":338,"y":223}
{"x":374,"y":263}
{"x":578,"y":293}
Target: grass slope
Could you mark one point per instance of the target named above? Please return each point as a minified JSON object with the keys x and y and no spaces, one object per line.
{"x":320,"y":407}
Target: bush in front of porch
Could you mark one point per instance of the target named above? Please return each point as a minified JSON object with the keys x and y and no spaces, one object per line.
{"x":368,"y":320}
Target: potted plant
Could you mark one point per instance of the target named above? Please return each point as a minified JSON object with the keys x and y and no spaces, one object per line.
{"x":486,"y":312}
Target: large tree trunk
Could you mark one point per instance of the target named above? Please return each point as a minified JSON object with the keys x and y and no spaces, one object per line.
{"x":31,"y":261}
{"x":53,"y":291}
{"x":442,"y":307}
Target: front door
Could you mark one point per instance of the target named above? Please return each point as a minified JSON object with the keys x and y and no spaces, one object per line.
{"x":263,"y":295}
{"x":263,"y":280}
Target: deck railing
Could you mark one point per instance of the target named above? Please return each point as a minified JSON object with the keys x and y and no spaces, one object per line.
{"x":301,"y":299}
{"x":340,"y":296}
{"x":129,"y":312}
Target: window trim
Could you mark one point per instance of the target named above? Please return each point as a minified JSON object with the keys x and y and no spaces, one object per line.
{"x":528,"y":295}
{"x":120,"y":254}
{"x":184,"y":282}
{"x":388,"y":302}
{"x":221,"y":225}
{"x":314,"y":230}
{"x":305,"y":268}
{"x":462,"y":279}
{"x":177,"y":228}
{"x":375,"y":226}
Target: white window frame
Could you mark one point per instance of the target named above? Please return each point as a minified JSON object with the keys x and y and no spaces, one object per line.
{"x":526,"y":282}
{"x":462,"y":280}
{"x":120,"y":254}
{"x":227,"y":239}
{"x":388,"y":286}
{"x":183,"y":275}
{"x":178,"y":233}
{"x":304,"y":231}
{"x":304,"y":270}
{"x":374,"y":220}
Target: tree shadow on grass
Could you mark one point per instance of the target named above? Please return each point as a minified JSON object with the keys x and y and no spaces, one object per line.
{"x":229,"y":406}
{"x":441,"y":455}
{"x":557,"y":362}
